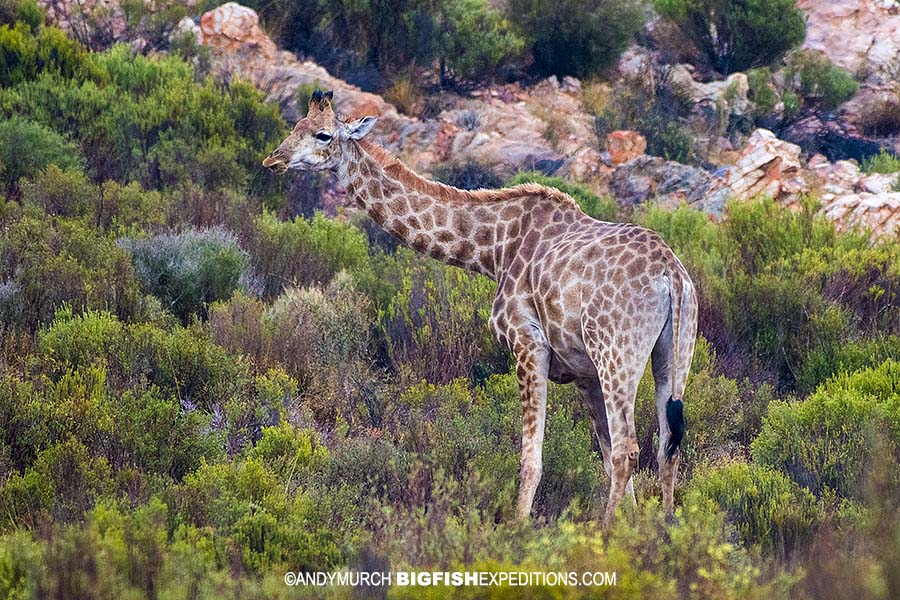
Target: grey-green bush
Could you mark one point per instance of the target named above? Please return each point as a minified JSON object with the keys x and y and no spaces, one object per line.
{"x":188,"y":271}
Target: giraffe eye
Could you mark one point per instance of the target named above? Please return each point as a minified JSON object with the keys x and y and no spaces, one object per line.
{"x":323,"y":137}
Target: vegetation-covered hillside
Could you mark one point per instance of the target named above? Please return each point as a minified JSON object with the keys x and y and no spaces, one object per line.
{"x":200,"y":391}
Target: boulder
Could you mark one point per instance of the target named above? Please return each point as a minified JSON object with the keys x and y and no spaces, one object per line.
{"x":768,"y":167}
{"x":231,"y":27}
{"x":878,"y":184}
{"x":625,"y":145}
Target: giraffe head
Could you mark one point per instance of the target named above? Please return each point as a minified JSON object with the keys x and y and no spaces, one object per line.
{"x":318,"y":139}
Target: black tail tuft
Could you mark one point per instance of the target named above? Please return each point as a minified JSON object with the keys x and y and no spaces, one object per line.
{"x":675,"y":418}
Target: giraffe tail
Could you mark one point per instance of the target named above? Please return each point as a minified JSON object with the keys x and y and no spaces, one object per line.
{"x":675,"y":406}
{"x":675,"y":418}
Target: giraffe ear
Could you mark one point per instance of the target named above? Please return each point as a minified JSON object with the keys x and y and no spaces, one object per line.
{"x":360,"y":127}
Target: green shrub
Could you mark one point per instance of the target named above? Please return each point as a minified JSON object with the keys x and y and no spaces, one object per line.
{"x":321,"y":336}
{"x":828,"y":439}
{"x":604,"y":208}
{"x":147,"y":120}
{"x":318,"y":335}
{"x":143,"y":431}
{"x":19,"y":557}
{"x":436,"y":323}
{"x":182,"y":363}
{"x":764,"y":232}
{"x":287,"y":451}
{"x":304,"y":252}
{"x":71,"y":479}
{"x":762,"y":90}
{"x":825,"y":361}
{"x":188,"y":271}
{"x":736,"y":36}
{"x":53,"y":261}
{"x":17,"y":54}
{"x":572,"y":468}
{"x":766,"y":507}
{"x":818,"y":80}
{"x":23,"y":55}
{"x":45,"y":148}
{"x":884,"y":163}
{"x":463,"y":39}
{"x":249,"y":510}
{"x":650,"y":104}
{"x":474,"y":40}
{"x":319,"y":328}
{"x":576,"y":37}
{"x":238,"y":326}
{"x":30,"y":13}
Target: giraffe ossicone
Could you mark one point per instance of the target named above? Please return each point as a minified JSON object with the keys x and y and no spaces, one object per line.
{"x":578,"y":300}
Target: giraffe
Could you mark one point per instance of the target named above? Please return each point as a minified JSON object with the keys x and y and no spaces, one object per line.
{"x":578,"y":300}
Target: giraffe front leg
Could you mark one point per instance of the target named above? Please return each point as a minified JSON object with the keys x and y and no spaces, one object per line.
{"x":517,"y":325}
{"x":532,"y":365}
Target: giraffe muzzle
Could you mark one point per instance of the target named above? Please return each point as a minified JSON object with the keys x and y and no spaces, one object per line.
{"x":275,"y":163}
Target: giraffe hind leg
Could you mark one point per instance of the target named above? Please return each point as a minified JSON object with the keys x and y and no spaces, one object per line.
{"x":661,"y":360}
{"x":619,"y":376}
{"x":592,"y":395}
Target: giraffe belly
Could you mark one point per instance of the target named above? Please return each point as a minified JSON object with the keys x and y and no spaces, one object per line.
{"x":570,"y":367}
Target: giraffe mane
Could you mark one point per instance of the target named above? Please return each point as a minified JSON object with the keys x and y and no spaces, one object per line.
{"x":447,"y":193}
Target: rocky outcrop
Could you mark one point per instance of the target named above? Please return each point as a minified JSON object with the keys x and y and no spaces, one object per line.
{"x":767,"y":167}
{"x":879,"y":213}
{"x":863,"y":36}
{"x":669,"y":183}
{"x":544,"y":126}
{"x":730,"y":94}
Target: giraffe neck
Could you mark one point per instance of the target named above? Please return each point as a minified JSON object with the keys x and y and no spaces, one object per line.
{"x":455,"y":231}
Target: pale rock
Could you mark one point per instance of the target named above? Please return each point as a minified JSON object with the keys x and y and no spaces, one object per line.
{"x":187,"y":25}
{"x":76,"y":16}
{"x":231,"y":27}
{"x":589,"y":167}
{"x":862,"y":36}
{"x":768,"y":167}
{"x":877,"y":183}
{"x":833,"y":179}
{"x":878,"y":213}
